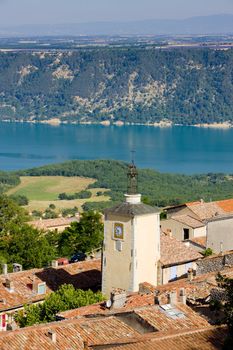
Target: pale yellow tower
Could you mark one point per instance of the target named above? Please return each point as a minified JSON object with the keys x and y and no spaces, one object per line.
{"x":131,"y":247}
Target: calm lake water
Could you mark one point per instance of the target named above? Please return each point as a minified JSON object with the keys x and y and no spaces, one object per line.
{"x":186,"y":150}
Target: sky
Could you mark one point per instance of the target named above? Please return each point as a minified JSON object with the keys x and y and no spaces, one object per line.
{"x":18,"y":12}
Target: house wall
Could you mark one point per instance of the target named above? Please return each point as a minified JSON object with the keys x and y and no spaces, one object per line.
{"x":199,"y":232}
{"x":181,"y":270}
{"x":176,"y":228}
{"x":220,"y":231}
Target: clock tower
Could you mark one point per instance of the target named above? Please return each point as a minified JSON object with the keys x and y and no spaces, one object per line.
{"x":131,"y":248}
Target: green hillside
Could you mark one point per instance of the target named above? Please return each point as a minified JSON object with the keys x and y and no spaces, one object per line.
{"x":157,"y":188}
{"x":130,"y":84}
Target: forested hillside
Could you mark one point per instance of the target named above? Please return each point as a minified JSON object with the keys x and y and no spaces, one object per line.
{"x":157,"y":188}
{"x":186,"y":86}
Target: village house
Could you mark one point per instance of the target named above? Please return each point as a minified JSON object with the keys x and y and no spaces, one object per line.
{"x":57,"y":224}
{"x":32,"y":286}
{"x":200,"y":223}
{"x":129,"y":325}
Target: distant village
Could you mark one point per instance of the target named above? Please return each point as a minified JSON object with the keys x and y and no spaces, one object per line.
{"x":159,"y":278}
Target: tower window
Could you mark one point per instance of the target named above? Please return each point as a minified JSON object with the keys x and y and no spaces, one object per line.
{"x":186,"y":233}
{"x":118,"y":246}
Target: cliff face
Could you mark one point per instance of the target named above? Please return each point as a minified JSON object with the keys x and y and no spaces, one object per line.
{"x":129,"y":84}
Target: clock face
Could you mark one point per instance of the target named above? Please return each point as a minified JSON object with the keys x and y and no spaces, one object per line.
{"x":118,"y":231}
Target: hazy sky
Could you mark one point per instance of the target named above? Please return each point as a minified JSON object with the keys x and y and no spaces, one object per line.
{"x":13,"y":12}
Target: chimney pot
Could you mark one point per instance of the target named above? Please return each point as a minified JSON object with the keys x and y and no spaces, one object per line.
{"x":52,"y":336}
{"x":182,"y":297}
{"x":118,"y":298}
{"x":173,"y":298}
{"x":85,"y":345}
{"x":54,"y":264}
{"x":9,"y":284}
{"x":4,"y":269}
{"x":190,"y":274}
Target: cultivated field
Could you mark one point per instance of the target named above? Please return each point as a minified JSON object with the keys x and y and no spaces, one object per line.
{"x":44,"y":190}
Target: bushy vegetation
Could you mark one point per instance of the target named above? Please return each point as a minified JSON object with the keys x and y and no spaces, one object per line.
{"x":159,"y":189}
{"x":30,"y":247}
{"x":79,"y":195}
{"x":84,"y":236}
{"x":187,"y":86}
{"x":65,"y":298}
{"x":8,"y":180}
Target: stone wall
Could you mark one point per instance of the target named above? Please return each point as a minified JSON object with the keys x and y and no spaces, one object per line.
{"x":214,"y":263}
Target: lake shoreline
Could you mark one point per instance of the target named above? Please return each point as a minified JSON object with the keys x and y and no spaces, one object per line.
{"x":161,"y":124}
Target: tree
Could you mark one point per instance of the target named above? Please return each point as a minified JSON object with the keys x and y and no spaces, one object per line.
{"x":85,"y":235}
{"x":11,"y":215}
{"x":227,"y":303}
{"x":65,"y":298}
{"x":28,"y":247}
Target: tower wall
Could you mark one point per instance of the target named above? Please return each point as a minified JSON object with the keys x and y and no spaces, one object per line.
{"x":137,"y":261}
{"x":116,"y":265}
{"x":146,"y":233}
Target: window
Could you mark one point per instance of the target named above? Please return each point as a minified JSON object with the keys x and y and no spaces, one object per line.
{"x":118,"y":246}
{"x":41,"y":288}
{"x":186,"y":233}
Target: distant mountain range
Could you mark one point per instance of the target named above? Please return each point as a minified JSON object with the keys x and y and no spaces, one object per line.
{"x":215,"y":24}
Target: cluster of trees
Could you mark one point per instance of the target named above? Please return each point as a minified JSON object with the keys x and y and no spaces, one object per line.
{"x":79,"y":195}
{"x":187,"y":86}
{"x":31,"y":248}
{"x":8,"y":180}
{"x":157,"y":188}
{"x":65,"y":298}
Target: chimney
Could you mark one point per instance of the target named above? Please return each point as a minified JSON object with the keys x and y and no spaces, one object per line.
{"x":182,"y":296}
{"x":118,"y":298}
{"x":17,"y":267}
{"x":172,"y":298}
{"x":190,"y":274}
{"x":202,"y":201}
{"x":9,"y":284}
{"x":85,"y":345}
{"x":52,"y":336}
{"x":54,"y":264}
{"x":4,"y":269}
{"x":157,"y":299}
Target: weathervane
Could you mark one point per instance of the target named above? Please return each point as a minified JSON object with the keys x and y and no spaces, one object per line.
{"x":132,"y":177}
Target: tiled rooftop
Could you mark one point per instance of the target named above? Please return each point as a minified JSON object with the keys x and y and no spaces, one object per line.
{"x":131,"y":210}
{"x":175,"y":252}
{"x":83,"y":275}
{"x":46,"y":224}
{"x":199,"y":240}
{"x":188,"y":220}
{"x":210,"y":338}
{"x":71,"y":334}
{"x":226,"y":205}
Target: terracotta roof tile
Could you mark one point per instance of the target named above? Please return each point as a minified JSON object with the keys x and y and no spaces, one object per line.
{"x":70,"y":334}
{"x":85,"y":274}
{"x":199,"y":240}
{"x":175,"y":252}
{"x":226,"y":205}
{"x":46,"y":224}
{"x":188,"y":220}
{"x":211,"y":338}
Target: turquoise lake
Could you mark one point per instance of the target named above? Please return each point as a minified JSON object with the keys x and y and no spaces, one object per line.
{"x":177,"y":149}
